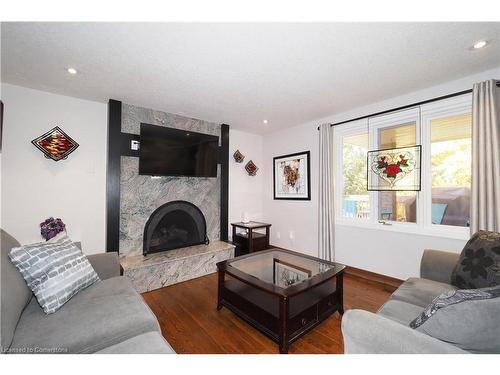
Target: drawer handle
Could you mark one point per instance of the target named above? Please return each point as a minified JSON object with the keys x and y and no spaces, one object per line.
{"x":303,"y":321}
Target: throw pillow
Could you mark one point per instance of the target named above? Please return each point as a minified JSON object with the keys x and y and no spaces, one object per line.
{"x":55,"y":271}
{"x":479,"y":262}
{"x":467,"y":318}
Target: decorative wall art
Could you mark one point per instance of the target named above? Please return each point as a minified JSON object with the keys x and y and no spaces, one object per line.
{"x":395,"y":169}
{"x":55,"y":144}
{"x":238,"y":156}
{"x":251,"y":168}
{"x":292,"y":176}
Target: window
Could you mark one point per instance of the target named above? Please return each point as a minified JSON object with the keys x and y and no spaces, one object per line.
{"x":443,"y":128}
{"x":397,"y":205}
{"x":451,"y":169}
{"x":355,"y":201}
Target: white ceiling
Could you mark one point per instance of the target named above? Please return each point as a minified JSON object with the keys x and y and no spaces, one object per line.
{"x":240,"y":74}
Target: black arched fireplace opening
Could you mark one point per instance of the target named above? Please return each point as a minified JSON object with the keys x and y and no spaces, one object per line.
{"x":174,"y":225}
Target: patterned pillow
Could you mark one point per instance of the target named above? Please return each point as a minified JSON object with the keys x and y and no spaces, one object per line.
{"x":453,"y":297}
{"x":466,"y":318}
{"x":479,"y":262}
{"x":54,"y":270}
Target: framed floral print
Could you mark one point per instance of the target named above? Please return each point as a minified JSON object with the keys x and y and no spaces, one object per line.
{"x":395,"y":169}
{"x":292,"y":176}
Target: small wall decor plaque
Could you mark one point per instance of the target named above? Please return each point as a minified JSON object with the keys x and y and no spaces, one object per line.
{"x":55,"y":144}
{"x":238,"y":156}
{"x":251,"y":168}
{"x":395,"y":169}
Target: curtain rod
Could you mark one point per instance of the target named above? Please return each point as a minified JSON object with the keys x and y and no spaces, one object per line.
{"x":408,"y":106}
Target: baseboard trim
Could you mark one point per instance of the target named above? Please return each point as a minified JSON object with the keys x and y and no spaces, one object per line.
{"x":391,"y":283}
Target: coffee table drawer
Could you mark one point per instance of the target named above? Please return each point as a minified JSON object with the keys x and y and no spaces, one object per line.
{"x":303,"y":320}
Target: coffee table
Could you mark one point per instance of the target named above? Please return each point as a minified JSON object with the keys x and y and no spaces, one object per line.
{"x":282,"y":293}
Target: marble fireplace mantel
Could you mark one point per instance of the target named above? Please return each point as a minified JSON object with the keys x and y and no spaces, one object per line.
{"x":174,"y":266}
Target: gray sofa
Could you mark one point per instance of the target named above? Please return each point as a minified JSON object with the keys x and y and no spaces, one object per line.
{"x":388,"y":330}
{"x":107,"y":317}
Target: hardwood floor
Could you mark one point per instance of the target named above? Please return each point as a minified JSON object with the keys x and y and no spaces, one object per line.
{"x":191,"y":323}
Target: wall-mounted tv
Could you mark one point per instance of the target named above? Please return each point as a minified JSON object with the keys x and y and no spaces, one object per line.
{"x":172,"y":152}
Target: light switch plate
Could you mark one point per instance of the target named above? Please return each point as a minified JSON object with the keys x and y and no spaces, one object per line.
{"x":134,"y":145}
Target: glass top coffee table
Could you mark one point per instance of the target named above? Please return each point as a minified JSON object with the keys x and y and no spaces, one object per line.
{"x":281,"y":293}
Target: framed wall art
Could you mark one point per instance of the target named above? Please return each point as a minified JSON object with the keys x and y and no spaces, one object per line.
{"x":292,"y":176}
{"x":395,"y":169}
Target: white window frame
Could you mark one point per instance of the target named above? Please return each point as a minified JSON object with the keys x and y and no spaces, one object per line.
{"x":423,"y":115}
{"x":339,"y":132}
{"x":445,"y":108}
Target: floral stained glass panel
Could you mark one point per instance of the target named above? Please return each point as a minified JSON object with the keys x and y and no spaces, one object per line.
{"x":396,"y":169}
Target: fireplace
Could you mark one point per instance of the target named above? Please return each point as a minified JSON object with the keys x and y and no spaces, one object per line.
{"x":174,"y":225}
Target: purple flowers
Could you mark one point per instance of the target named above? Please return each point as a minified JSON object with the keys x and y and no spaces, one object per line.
{"x":51,"y":227}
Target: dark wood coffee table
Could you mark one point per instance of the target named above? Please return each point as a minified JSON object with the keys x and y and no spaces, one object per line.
{"x":281,"y":293}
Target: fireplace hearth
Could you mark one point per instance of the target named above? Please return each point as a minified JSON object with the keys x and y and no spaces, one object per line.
{"x":174,"y":225}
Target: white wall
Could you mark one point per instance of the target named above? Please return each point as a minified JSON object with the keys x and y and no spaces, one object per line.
{"x":33,"y":187}
{"x":382,"y":251}
{"x":245,"y":192}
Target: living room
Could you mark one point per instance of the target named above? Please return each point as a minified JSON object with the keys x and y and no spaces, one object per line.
{"x":250,"y":188}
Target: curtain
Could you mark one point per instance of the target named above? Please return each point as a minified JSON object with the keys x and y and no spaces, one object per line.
{"x":325,"y":230}
{"x":485,"y":199}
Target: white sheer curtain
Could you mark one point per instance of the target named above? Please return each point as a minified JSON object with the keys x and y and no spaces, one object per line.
{"x":325,"y":204}
{"x":485,"y":200}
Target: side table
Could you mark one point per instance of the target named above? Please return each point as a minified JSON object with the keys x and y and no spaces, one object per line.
{"x":249,"y":240}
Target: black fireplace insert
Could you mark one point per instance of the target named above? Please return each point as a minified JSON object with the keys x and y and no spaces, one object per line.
{"x":174,"y":225}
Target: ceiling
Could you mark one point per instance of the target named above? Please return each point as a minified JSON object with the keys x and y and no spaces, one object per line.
{"x":243,"y":73}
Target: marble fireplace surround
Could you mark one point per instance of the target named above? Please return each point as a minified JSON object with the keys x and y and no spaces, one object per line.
{"x":140,"y":196}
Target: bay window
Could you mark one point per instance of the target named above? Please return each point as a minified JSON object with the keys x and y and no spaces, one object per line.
{"x":441,"y":207}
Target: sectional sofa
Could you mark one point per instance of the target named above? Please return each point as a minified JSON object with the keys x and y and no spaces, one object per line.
{"x":107,"y":317}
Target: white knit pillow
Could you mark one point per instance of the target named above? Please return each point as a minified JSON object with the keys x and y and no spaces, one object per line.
{"x":55,"y":270}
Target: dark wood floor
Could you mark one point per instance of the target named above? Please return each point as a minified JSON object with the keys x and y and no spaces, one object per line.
{"x":191,"y":323}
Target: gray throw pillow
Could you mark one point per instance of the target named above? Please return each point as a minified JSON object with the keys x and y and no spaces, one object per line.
{"x":54,"y":270}
{"x":479,"y":262}
{"x":467,"y":318}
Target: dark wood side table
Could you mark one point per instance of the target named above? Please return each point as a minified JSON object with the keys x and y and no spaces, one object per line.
{"x":251,"y":241}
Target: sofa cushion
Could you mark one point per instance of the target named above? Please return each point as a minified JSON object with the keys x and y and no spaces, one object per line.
{"x":479,"y":262}
{"x":466,"y":318}
{"x":147,"y":343}
{"x":104,"y":314}
{"x":399,"y":311}
{"x":55,"y":270}
{"x":15,"y":294}
{"x":420,"y":292}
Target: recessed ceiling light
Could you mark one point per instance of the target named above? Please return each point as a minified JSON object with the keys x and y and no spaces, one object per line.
{"x":480,"y":44}
{"x":265,"y":121}
{"x":72,"y":71}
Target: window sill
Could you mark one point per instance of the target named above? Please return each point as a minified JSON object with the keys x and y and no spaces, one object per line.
{"x":457,"y":233}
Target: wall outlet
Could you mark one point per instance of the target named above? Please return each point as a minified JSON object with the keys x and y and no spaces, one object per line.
{"x":291,"y":234}
{"x":278,"y":235}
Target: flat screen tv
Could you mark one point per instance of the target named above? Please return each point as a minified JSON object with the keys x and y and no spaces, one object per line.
{"x":172,"y":152}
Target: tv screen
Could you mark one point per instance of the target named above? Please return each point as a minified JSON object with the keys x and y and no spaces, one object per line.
{"x":173,"y":152}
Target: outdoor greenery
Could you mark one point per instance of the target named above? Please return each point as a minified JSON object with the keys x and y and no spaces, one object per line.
{"x":354,"y":169}
{"x":451,"y":162}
